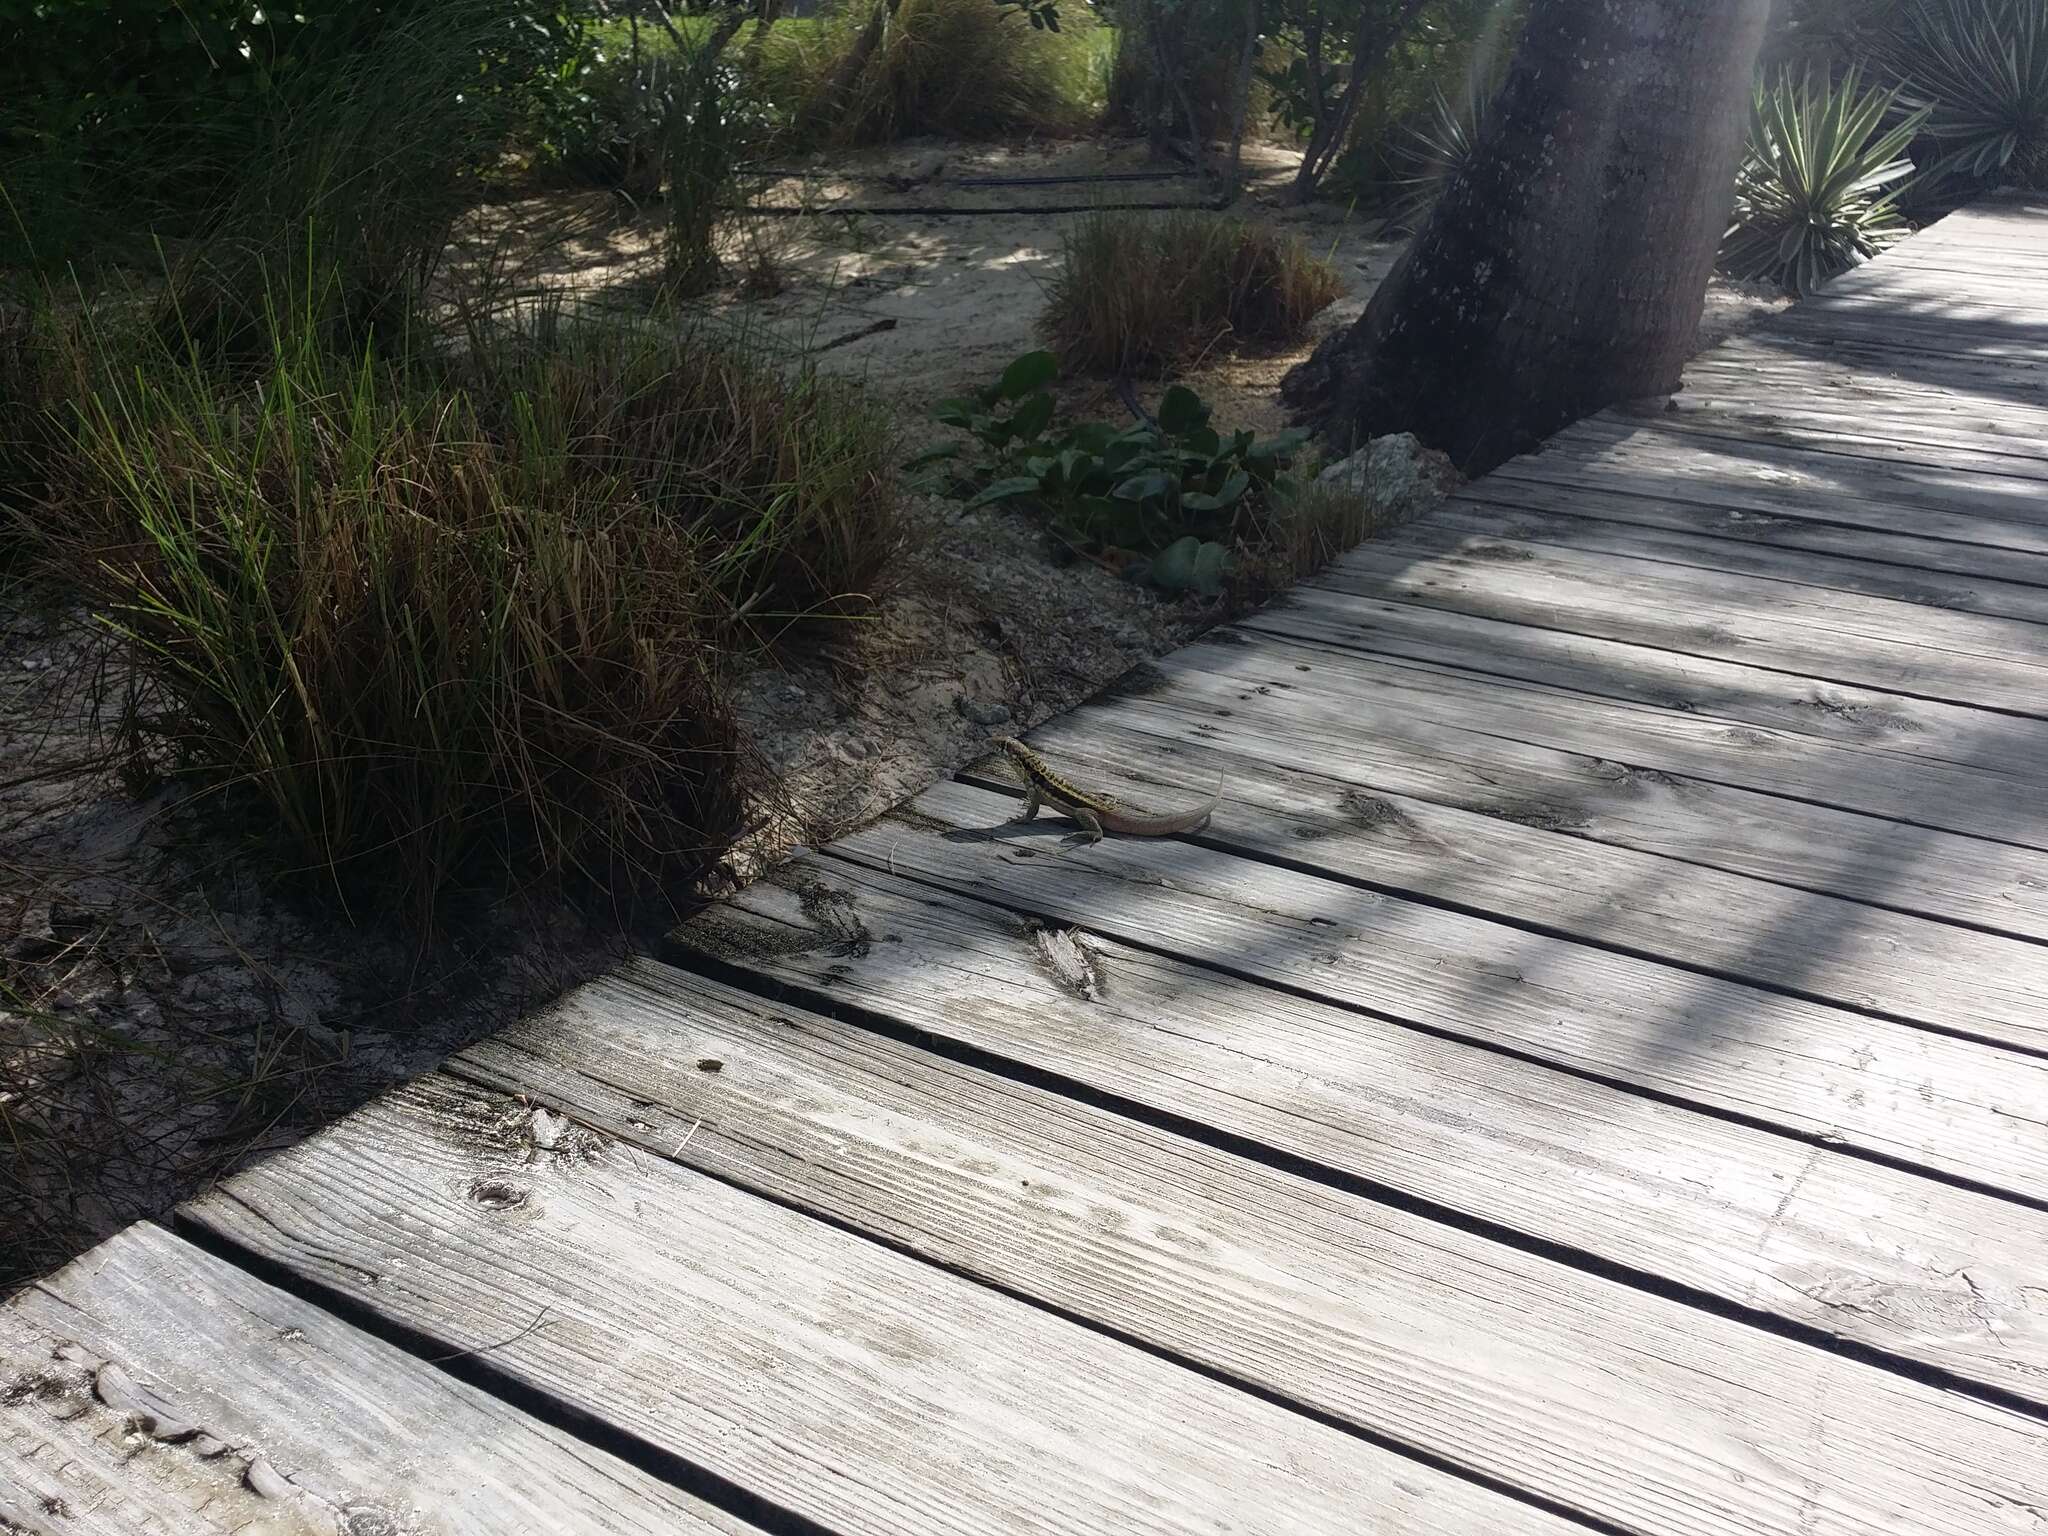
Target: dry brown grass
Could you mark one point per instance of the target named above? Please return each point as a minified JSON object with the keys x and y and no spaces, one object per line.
{"x":468,"y":626}
{"x":1150,"y":294}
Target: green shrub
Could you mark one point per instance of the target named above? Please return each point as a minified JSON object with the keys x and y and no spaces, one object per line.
{"x":1150,"y":293}
{"x":122,"y":120}
{"x":1820,"y":179}
{"x":349,"y":193}
{"x":463,"y":623}
{"x":1978,"y":70}
{"x":1172,"y":489}
{"x":1177,"y":58}
{"x":967,"y":69}
{"x":1451,"y":61}
{"x":790,"y":479}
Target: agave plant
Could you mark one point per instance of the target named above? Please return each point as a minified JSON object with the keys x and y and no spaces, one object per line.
{"x":1431,"y":151}
{"x":1820,"y":180}
{"x":1979,"y":68}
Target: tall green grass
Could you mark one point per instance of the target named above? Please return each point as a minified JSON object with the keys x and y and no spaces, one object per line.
{"x":967,"y":69}
{"x":465,"y":624}
{"x":343,"y":203}
{"x":1151,"y":293}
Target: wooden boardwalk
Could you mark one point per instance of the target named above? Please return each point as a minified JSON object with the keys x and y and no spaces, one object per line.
{"x":1591,"y":1076}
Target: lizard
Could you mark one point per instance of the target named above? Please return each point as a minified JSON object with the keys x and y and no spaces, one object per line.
{"x":1097,"y":813}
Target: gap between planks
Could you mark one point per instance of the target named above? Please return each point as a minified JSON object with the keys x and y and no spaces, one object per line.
{"x":838,"y":1378}
{"x":1951,"y":1108}
{"x":1296,"y":800}
{"x":158,"y":1390}
{"x":1436,"y":1339}
{"x":1678,"y":1203}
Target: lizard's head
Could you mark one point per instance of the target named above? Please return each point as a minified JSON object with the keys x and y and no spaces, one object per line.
{"x":1013,"y":746}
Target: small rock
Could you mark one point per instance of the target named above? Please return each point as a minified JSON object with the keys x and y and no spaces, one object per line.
{"x":1396,"y":474}
{"x":791,"y":694}
{"x":983,"y":712}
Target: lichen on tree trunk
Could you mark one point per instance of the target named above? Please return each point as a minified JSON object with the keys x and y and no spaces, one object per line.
{"x":1565,"y":267}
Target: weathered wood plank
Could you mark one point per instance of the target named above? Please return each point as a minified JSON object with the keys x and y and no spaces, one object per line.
{"x":837,"y":1378}
{"x":1585,"y":796}
{"x":1682,"y":541}
{"x":1297,"y":796}
{"x":2006,"y":552}
{"x":1961,"y":786}
{"x":1841,"y":637}
{"x":1865,"y":718}
{"x":1376,"y":1317}
{"x":1905,"y":1266}
{"x":2003,"y":378}
{"x":1724,"y":405}
{"x":1918,"y":441}
{"x":1796,"y":393}
{"x":1995,"y":485}
{"x":2011,"y":340}
{"x":1781,"y":359}
{"x":153,"y":1388}
{"x":1958,"y":1107}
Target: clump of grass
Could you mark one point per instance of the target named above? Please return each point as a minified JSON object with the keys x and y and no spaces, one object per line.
{"x":1151,"y":293}
{"x":789,"y":479}
{"x":347,"y":197}
{"x":463,"y":625}
{"x":964,"y":69}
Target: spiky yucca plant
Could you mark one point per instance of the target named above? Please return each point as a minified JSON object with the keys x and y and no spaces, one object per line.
{"x":1820,"y":181}
{"x":1432,"y":150}
{"x":1979,"y":69}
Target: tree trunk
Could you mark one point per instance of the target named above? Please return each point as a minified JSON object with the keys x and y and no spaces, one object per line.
{"x":757,"y":40}
{"x":1369,"y":48}
{"x":1241,"y":96}
{"x":836,"y":96}
{"x":1565,"y":267}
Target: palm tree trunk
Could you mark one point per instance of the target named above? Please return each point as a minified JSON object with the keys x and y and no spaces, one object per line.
{"x":1565,"y":267}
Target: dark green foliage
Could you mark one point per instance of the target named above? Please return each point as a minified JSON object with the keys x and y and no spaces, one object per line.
{"x":126,"y":118}
{"x":1174,"y":488}
{"x":1978,"y":69}
{"x":968,"y":69}
{"x":1820,"y":180}
{"x":1452,"y":50}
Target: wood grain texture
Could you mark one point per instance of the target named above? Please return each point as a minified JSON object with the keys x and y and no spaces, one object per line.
{"x":1911,"y":1268}
{"x":146,"y":1380}
{"x":1843,"y":438}
{"x":1375,"y":1317}
{"x":1684,"y":543}
{"x":1580,"y":795}
{"x":1305,"y":668}
{"x":1812,"y":632}
{"x":1933,"y":542}
{"x":1955,"y":1106}
{"x":1620,"y":455}
{"x":839,"y":1379}
{"x":1726,"y":401}
{"x":1298,"y":796}
{"x":1873,"y":726}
